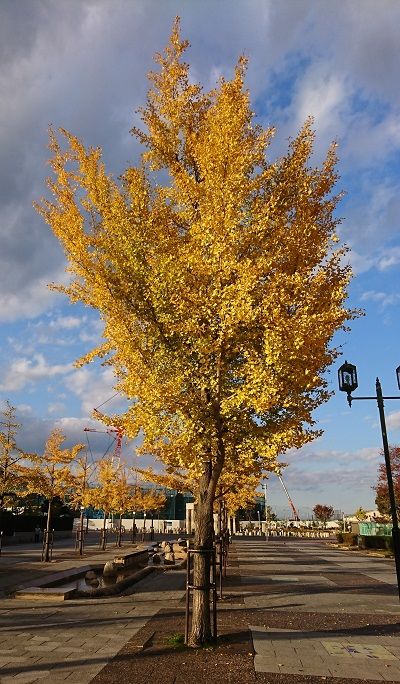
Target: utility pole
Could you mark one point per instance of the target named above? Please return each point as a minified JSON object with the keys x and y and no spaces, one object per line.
{"x":264,"y":488}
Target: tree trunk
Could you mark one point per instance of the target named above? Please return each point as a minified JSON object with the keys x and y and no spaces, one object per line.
{"x":103,"y":545}
{"x":119,"y":543}
{"x":47,"y":543}
{"x":201,"y":615}
{"x":81,"y":534}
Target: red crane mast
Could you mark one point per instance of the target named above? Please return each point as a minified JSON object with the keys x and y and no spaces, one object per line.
{"x":295,"y":513}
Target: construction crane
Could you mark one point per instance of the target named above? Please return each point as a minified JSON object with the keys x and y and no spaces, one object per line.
{"x":111,"y":431}
{"x":295,"y":513}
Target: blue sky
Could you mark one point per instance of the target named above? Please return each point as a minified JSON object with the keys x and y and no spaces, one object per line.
{"x":82,"y":64}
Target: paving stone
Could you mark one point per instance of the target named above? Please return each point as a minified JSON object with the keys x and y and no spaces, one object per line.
{"x":12,"y":659}
{"x":310,"y":659}
{"x":391,"y":674}
{"x":356,"y":650}
{"x":291,"y":669}
{"x":69,"y":650}
{"x":4,"y":662}
{"x":349,"y":671}
{"x":54,"y":676}
{"x":41,"y":648}
{"x":29,"y":677}
{"x":75,"y":642}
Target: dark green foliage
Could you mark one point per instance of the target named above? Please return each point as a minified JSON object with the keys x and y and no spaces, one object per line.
{"x":176,"y":640}
{"x":26,"y":523}
{"x":349,"y":538}
{"x":377,"y":542}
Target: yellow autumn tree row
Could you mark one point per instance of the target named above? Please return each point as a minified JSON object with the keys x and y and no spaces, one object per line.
{"x":66,"y":474}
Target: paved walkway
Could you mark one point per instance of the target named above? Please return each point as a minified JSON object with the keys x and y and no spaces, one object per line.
{"x":313,"y":611}
{"x":309,"y":580}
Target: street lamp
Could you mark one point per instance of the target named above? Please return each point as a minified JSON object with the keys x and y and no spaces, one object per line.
{"x":133,"y":526}
{"x":347,"y":375}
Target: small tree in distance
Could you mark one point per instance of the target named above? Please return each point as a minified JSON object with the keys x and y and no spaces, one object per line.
{"x":323,"y":513}
{"x":13,"y":467}
{"x":381,"y":488}
{"x":51,"y":475}
{"x":218,"y":280}
{"x":360,"y":514}
{"x":103,"y":494}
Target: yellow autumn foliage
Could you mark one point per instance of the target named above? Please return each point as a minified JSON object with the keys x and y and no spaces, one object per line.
{"x":51,"y":472}
{"x":14,"y":469}
{"x":216,"y":273}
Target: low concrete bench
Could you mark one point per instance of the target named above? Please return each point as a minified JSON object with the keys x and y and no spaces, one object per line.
{"x":135,"y":558}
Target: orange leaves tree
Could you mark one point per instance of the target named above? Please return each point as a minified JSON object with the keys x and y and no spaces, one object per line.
{"x":103,"y":496}
{"x":382,"y":499}
{"x":13,"y":468}
{"x":323,"y":513}
{"x":218,"y":278}
{"x":51,"y":474}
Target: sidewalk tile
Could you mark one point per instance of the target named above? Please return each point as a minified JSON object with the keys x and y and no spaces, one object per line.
{"x":266,"y":664}
{"x":348,"y":671}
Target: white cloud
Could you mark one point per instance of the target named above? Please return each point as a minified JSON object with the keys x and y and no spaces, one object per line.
{"x":322,"y":94}
{"x":27,"y":302}
{"x":359,"y":262}
{"x":368,"y":143}
{"x":315,"y":455}
{"x":92,"y":388}
{"x":67,"y":322}
{"x":383,"y":298}
{"x":61,"y":330}
{"x":24,"y":409}
{"x":389,"y":258}
{"x":24,"y":371}
{"x":393,"y":420}
{"x":372,"y":221}
{"x":55,"y":407}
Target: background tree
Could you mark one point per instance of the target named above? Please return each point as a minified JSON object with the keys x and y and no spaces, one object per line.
{"x":148,"y":501}
{"x":51,"y":475}
{"x":381,"y":488}
{"x":218,"y":282}
{"x":81,"y":495}
{"x":13,"y":466}
{"x":103,"y":495}
{"x":323,"y":513}
{"x":360,"y":514}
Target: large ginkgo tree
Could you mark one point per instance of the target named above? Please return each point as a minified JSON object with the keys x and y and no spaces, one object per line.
{"x":218,"y":277}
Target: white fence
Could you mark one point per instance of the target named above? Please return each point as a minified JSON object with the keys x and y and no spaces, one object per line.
{"x":159,"y":526}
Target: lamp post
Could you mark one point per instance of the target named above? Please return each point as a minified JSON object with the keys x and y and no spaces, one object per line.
{"x":348,"y":382}
{"x":144,"y":526}
{"x":119,"y":537}
{"x":152,"y":527}
{"x":81,"y":531}
{"x":264,"y":488}
{"x":133,"y":526}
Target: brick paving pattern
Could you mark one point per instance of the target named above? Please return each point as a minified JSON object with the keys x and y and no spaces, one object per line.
{"x":312,"y":611}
